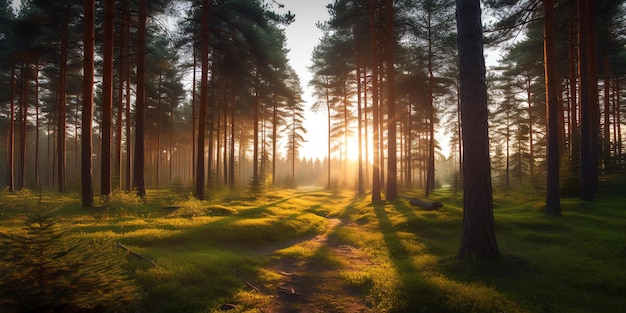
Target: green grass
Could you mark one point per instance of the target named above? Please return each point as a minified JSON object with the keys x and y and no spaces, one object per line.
{"x":206,"y":249}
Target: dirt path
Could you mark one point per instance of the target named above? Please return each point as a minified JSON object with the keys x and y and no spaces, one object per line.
{"x":317,"y":283}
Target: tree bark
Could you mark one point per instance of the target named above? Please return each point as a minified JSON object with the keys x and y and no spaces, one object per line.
{"x":593,"y":96}
{"x":204,"y":60}
{"x":23,"y":123}
{"x":255,"y":128}
{"x":193,"y":114}
{"x":274,"y":136}
{"x":553,"y":202}
{"x":87,"y":108}
{"x":11,"y":137}
{"x":360,"y":185}
{"x":37,"y":125}
{"x":375,"y":114}
{"x":120,"y":106}
{"x":158,"y":129}
{"x":328,"y":116}
{"x":61,"y":109}
{"x":479,"y":239}
{"x":606,"y":142}
{"x":573,"y":103}
{"x":430,"y":174}
{"x":231,"y":163}
{"x":140,"y":106}
{"x":587,"y":191}
{"x":392,"y":166}
{"x":127,"y":101}
{"x":107,"y":100}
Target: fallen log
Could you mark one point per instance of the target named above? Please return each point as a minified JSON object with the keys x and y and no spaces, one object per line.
{"x":426,"y":205}
{"x":136,"y":254}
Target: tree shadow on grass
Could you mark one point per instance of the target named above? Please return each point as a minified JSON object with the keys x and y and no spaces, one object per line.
{"x":415,"y":294}
{"x":446,"y":284}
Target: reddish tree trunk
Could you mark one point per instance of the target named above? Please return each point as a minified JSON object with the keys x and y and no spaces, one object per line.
{"x":11,"y":137}
{"x":127,"y":101}
{"x":392,"y":166}
{"x":87,"y":108}
{"x":61,"y":110}
{"x":553,"y":202}
{"x":140,"y":106}
{"x":107,"y":100}
{"x":375,"y":114}
{"x":587,"y":187}
{"x":23,"y":123}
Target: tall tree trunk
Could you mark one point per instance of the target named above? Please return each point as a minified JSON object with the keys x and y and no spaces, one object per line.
{"x":606,"y":142}
{"x":531,"y":132}
{"x":587,"y":188}
{"x":122,"y":59}
{"x":171,"y":146}
{"x":232,"y":139}
{"x":460,"y":136}
{"x":430,"y":172}
{"x":212,"y":114}
{"x":204,"y":60}
{"x":360,"y":186}
{"x":158,"y":137}
{"x":140,"y":106}
{"x":37,"y":125}
{"x":193,"y":114}
{"x":61,"y":109}
{"x":87,"y":108}
{"x":617,"y":128}
{"x":11,"y":136}
{"x":127,"y":101}
{"x":573,"y":102}
{"x":255,"y":129}
{"x":375,"y":114}
{"x":23,"y":123}
{"x":225,"y":138}
{"x":329,"y":136}
{"x":392,"y":170}
{"x":107,"y":100}
{"x":409,"y":146}
{"x":479,"y":238}
{"x":274,"y":136}
{"x":617,"y":137}
{"x":365,"y":126}
{"x":553,"y":202}
{"x":593,"y":96}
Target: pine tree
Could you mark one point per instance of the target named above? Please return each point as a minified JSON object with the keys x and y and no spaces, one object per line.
{"x":44,"y":269}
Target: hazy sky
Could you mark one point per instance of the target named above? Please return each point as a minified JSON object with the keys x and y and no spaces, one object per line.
{"x":302,"y":36}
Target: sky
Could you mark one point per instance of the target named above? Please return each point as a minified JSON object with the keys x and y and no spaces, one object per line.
{"x":302,"y":36}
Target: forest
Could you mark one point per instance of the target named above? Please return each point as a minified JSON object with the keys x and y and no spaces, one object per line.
{"x":153,"y":157}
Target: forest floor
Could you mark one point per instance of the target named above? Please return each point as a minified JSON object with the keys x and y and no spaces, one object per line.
{"x":310,"y":250}
{"x":312,"y":284}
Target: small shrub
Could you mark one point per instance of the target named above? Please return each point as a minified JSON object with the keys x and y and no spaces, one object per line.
{"x":120,"y":201}
{"x":190,"y":208}
{"x":42,"y":269}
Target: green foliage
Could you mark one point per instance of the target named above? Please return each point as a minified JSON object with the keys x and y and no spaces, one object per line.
{"x":42,"y":269}
{"x":119,"y":201}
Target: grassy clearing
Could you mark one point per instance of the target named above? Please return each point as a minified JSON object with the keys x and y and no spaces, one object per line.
{"x":206,"y":250}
